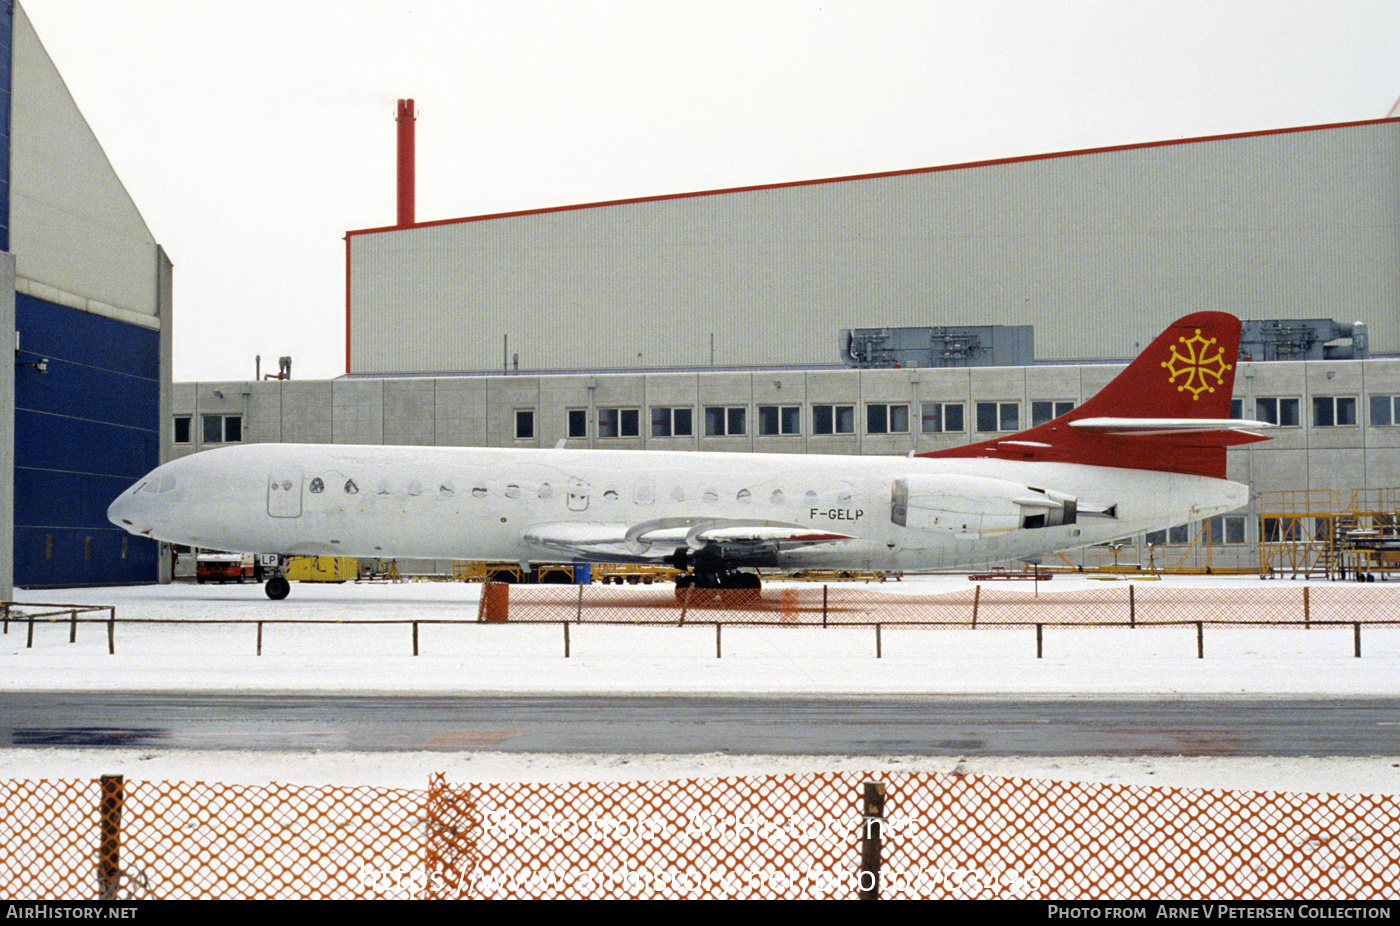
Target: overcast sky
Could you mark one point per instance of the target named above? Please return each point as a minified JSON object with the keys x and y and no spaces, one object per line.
{"x":253,"y":135}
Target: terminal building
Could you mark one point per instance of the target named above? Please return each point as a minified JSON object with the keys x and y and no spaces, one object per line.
{"x":883,"y":314}
{"x":86,"y":289}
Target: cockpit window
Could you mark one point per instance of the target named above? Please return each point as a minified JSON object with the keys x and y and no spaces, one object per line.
{"x":157,"y":486}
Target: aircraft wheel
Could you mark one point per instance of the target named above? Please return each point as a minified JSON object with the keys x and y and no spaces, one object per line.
{"x":277,"y":588}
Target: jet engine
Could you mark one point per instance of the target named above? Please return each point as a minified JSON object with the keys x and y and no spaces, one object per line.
{"x":971,"y":507}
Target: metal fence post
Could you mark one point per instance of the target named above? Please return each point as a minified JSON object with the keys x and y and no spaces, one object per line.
{"x":976,"y":596}
{"x":1307,"y":612}
{"x":1200,"y":640}
{"x":1039,"y":639}
{"x":1132,"y":606}
{"x":871,"y":835}
{"x":1356,"y":635}
{"x":109,"y":810}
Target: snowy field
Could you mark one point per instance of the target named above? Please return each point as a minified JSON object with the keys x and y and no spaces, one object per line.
{"x":356,"y":656}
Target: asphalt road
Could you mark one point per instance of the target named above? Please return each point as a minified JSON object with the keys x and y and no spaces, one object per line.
{"x":896,"y":725}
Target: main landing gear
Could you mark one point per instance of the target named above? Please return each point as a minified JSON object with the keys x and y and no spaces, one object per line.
{"x":719,"y":580}
{"x":712,"y":574}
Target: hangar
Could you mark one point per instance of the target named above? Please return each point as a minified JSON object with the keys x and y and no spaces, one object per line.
{"x":87,"y":291}
{"x":714,"y":320}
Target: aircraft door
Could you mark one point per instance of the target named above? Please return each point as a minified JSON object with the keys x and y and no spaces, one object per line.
{"x":284,"y":494}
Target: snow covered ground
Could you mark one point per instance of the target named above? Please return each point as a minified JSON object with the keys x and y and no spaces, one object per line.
{"x":475,"y":658}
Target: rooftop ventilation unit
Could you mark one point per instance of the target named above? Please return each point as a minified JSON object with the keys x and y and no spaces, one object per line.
{"x":1303,"y":339}
{"x":978,"y":346}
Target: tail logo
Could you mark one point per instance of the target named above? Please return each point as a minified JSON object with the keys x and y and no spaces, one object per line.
{"x":1195,"y":366}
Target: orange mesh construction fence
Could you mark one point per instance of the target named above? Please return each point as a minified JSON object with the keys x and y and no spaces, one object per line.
{"x":943,"y":836}
{"x":975,"y":606}
{"x":180,"y":840}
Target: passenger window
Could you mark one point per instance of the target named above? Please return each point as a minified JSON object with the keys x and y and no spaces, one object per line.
{"x":317,"y":486}
{"x":351,"y":488}
{"x":479,"y":492}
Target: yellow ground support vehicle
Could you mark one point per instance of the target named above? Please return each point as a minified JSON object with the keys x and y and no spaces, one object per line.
{"x":323,"y":568}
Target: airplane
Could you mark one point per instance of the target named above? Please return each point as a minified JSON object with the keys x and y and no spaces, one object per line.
{"x":1146,"y":453}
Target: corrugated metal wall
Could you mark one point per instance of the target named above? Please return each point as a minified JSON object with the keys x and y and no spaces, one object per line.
{"x":87,"y":428}
{"x":1117,"y":243}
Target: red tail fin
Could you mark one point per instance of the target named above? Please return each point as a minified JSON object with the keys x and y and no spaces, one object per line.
{"x":1167,"y":411}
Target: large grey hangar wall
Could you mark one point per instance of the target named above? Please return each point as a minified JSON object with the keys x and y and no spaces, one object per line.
{"x":1098,"y":249}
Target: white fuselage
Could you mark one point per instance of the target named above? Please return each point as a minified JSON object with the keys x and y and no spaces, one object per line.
{"x":493,"y":504}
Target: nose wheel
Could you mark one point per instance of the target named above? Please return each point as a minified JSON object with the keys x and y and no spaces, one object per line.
{"x":274,"y":567}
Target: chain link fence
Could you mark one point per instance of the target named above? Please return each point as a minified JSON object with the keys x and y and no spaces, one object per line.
{"x":942,"y":836}
{"x":975,"y":606}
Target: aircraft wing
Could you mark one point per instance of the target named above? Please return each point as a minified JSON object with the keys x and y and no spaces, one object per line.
{"x":655,"y":540}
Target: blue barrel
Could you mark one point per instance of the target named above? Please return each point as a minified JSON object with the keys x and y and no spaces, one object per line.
{"x":583,"y":574}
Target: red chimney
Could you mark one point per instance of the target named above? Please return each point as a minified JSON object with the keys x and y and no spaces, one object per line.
{"x":405,"y":119}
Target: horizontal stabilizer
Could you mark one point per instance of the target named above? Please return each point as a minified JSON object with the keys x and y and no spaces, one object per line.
{"x":1145,"y":426}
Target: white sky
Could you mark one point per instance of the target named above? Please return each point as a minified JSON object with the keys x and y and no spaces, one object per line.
{"x":252,"y":135}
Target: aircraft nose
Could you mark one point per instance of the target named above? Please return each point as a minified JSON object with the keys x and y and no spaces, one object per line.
{"x":125,"y":511}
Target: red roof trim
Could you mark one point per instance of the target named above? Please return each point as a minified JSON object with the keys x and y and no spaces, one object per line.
{"x":1022,"y":159}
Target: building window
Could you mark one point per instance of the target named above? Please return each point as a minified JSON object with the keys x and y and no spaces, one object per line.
{"x":184,"y":429}
{"x":1227,"y":529}
{"x":1281,"y":412}
{"x":525,"y":424}
{"x":578,"y":422}
{"x":833,"y":419}
{"x":942,"y":417}
{"x":1385,"y":411}
{"x":886,"y":419}
{"x":619,"y":422}
{"x":1280,"y":530}
{"x":223,"y":429}
{"x":998,"y":416}
{"x":672,"y":422}
{"x":1333,"y":411}
{"x":1044,"y":412}
{"x":723,"y":421}
{"x":1237,"y":409}
{"x":779,"y":419}
{"x":1181,"y":533}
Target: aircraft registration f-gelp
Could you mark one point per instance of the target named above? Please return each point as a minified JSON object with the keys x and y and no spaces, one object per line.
{"x":1145,"y":453}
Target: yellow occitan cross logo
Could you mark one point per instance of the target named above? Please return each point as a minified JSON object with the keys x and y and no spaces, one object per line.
{"x":1196,"y":366}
